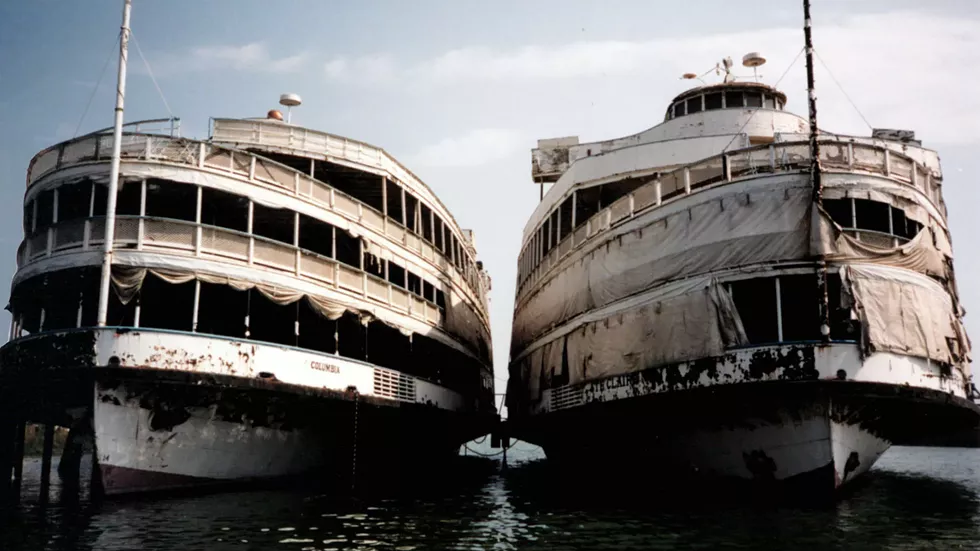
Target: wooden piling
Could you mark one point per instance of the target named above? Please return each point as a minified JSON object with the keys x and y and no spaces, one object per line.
{"x":7,"y":428}
{"x":46,"y":461}
{"x":18,"y":459}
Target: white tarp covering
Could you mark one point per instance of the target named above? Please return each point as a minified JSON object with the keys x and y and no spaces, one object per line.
{"x":764,"y":224}
{"x":644,"y":296}
{"x":905,"y":312}
{"x":691,"y":320}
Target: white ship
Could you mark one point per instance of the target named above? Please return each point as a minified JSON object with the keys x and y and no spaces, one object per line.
{"x":282,"y":300}
{"x":730,"y":296}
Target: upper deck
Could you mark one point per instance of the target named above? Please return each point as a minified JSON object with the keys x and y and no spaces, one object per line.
{"x":343,"y":233}
{"x":699,"y":123}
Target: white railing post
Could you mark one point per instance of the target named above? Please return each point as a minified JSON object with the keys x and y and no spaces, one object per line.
{"x":197,"y":304}
{"x":687,"y":181}
{"x":914,"y":175}
{"x":50,"y":245}
{"x":296,"y":240}
{"x":198,"y":230}
{"x":850,"y":154}
{"x":658,"y":189}
{"x":251,"y":238}
{"x":632,"y":209}
{"x":139,"y":225}
{"x":202,"y":153}
{"x":148,"y":148}
{"x":727,"y":163}
{"x":251,"y":169}
{"x":86,"y":235}
{"x":887,"y":166}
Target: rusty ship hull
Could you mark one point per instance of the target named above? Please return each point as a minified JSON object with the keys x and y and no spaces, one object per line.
{"x":790,"y":431}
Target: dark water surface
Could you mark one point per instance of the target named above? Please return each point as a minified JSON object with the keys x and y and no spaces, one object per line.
{"x":915,"y":498}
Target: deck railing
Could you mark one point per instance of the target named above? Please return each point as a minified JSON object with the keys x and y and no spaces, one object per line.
{"x":252,"y":168}
{"x":205,"y":242}
{"x":835,"y":156}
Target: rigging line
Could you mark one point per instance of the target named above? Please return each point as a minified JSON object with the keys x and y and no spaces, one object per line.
{"x":150,"y":71}
{"x":754,"y":111}
{"x":841,"y":88}
{"x":97,"y":84}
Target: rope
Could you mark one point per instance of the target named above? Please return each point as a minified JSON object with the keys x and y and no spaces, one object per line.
{"x":841,"y":88}
{"x":96,"y":88}
{"x":150,"y":72}
{"x":494,"y":454}
{"x":754,"y":111}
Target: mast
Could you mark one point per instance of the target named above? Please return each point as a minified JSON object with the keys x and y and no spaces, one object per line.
{"x":823,"y":304}
{"x":812,"y":100}
{"x":110,"y":213}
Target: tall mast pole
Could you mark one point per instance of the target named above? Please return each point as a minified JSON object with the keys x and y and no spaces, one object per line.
{"x":823,"y":304}
{"x":812,"y":100}
{"x":110,"y":212}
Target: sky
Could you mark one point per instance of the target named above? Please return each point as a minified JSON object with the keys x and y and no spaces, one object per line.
{"x":460,"y":90}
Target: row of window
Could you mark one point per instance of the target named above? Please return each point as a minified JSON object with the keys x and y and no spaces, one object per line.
{"x":570,"y":215}
{"x":864,"y":214}
{"x":395,"y":202}
{"x":68,"y":299}
{"x":574,"y":211}
{"x":732,"y":99}
{"x":165,"y":199}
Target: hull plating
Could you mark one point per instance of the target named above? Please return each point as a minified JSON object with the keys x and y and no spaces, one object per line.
{"x":147,"y":443}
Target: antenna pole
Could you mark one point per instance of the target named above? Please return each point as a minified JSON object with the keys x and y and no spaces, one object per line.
{"x":110,"y":213}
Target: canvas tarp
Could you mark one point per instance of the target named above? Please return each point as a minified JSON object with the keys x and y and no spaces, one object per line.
{"x":765,"y":224}
{"x":926,"y":253}
{"x":127,"y":281}
{"x":698,"y":320}
{"x":905,"y":312}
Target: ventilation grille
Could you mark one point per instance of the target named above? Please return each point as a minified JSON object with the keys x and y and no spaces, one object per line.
{"x":566,"y":396}
{"x":394,"y":385}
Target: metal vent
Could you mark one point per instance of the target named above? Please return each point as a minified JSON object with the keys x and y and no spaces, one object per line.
{"x":394,"y":385}
{"x":566,"y":396}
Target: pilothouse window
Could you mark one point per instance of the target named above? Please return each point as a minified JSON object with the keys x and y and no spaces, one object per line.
{"x":753,"y":99}
{"x":712,"y":101}
{"x":694,"y":105}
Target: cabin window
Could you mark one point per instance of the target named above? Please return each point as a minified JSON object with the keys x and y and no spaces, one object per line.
{"x":414,"y":284}
{"x":315,"y":331}
{"x":440,"y":299}
{"x":222,"y":310}
{"x":712,"y":101}
{"x":166,"y":305}
{"x":223,"y":209}
{"x":872,"y":215}
{"x":373,"y":265}
{"x":363,"y":186}
{"x":99,"y":202}
{"x":73,"y":201}
{"x":799,"y":299}
{"x":45,"y":208}
{"x":842,"y":327}
{"x":753,"y":99}
{"x":679,"y":109}
{"x":863,"y":214}
{"x":348,"y":249}
{"x":128,"y":199}
{"x":440,"y":230}
{"x":274,"y":224}
{"x":428,"y":291}
{"x":733,"y":99}
{"x":269,"y":321}
{"x":426,"y":223}
{"x":755,"y":300}
{"x":411,"y":214}
{"x":169,"y":200}
{"x":566,"y":216}
{"x":769,"y":102}
{"x":694,"y":105}
{"x":351,"y":336}
{"x":396,"y":274}
{"x":315,"y":235}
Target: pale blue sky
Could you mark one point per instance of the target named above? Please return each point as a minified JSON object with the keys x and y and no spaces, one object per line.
{"x":460,"y":90}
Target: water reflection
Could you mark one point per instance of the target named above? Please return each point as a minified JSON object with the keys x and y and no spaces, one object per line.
{"x":475,"y":505}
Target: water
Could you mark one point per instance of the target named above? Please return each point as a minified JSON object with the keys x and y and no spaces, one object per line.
{"x":914,"y":498}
